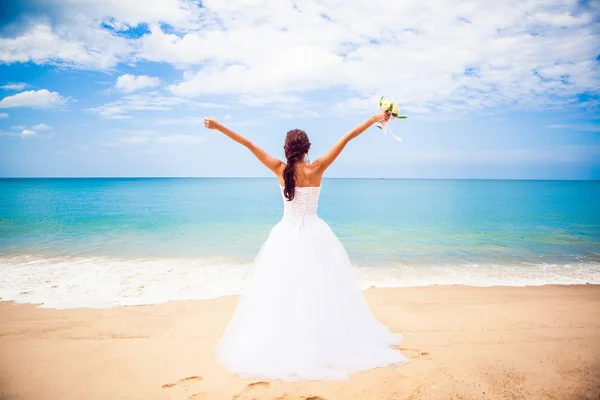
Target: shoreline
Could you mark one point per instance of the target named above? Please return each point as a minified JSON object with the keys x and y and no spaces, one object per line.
{"x":363,"y":290}
{"x":68,"y":282}
{"x":463,"y":341}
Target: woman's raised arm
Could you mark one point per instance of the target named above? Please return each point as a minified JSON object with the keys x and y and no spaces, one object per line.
{"x":323,"y":162}
{"x":268,"y":161}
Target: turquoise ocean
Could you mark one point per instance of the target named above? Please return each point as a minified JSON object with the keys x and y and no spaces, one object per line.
{"x":106,"y":242}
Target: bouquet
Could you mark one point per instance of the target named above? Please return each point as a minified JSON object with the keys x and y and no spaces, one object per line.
{"x":392,"y":106}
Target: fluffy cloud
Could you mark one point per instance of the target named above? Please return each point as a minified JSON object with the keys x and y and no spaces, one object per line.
{"x":566,"y":154}
{"x":580,"y":128}
{"x":129,"y":83}
{"x":180,"y":139}
{"x":445,"y":57}
{"x":41,"y":127}
{"x":82,"y":45}
{"x":143,"y":137}
{"x":91,"y":34}
{"x":14,"y":86}
{"x":136,"y":139}
{"x":34,"y":99}
{"x":151,"y":101}
{"x":180,"y":121}
{"x":148,"y":101}
{"x":27,"y":132}
{"x":3,"y":115}
{"x":181,"y":14}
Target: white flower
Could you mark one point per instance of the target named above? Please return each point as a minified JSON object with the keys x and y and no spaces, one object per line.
{"x":395,"y":109}
{"x":385,"y":105}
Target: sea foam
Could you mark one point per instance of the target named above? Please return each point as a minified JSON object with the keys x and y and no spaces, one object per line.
{"x":102,"y":282}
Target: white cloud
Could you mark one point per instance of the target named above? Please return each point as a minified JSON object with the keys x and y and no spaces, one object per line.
{"x":262,"y":99}
{"x":41,"y":127}
{"x":138,"y":131}
{"x":14,"y":86}
{"x":444,"y":57}
{"x":79,"y":44}
{"x":246,"y":123}
{"x":3,"y":115}
{"x":151,"y":101}
{"x":136,"y":139}
{"x":566,"y":154}
{"x":76,"y":37}
{"x":121,"y":14}
{"x":109,"y":144}
{"x":27,"y":132}
{"x":17,"y":127}
{"x":180,"y":139}
{"x":34,"y":99}
{"x":142,"y":136}
{"x":180,"y":121}
{"x":580,"y":128}
{"x":129,"y":83}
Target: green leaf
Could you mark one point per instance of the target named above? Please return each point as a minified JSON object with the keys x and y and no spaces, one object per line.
{"x":390,"y":107}
{"x":380,"y":101}
{"x":402,"y":117}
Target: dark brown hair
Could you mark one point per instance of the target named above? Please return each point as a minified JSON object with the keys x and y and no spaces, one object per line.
{"x":296,"y":146}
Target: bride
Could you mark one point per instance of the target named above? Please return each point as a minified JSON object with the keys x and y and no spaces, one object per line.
{"x":301,"y":315}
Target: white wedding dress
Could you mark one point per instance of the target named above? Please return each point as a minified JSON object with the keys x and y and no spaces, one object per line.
{"x":301,"y":315}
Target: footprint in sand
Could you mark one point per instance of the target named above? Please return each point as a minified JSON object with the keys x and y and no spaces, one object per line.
{"x":405,"y":348}
{"x":253,"y":385}
{"x":419,"y":354}
{"x":263,"y":385}
{"x":258,"y":384}
{"x":198,"y":396}
{"x":189,"y":379}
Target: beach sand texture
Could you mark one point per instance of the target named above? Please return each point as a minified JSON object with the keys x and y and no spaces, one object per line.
{"x":465,"y":343}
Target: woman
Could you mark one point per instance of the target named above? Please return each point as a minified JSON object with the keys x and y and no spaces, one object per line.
{"x":301,"y":316}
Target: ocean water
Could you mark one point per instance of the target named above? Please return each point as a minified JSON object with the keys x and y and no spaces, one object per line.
{"x":106,"y":242}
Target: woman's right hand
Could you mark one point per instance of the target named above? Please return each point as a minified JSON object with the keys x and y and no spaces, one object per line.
{"x":211,"y":123}
{"x":382,"y":117}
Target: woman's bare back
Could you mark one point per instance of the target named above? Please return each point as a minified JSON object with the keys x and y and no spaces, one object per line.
{"x":307,"y":174}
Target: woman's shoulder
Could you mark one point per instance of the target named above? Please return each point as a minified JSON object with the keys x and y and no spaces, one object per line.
{"x":308,"y":175}
{"x":312,"y":175}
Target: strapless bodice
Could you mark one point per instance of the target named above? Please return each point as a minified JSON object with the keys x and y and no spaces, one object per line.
{"x":305,"y":202}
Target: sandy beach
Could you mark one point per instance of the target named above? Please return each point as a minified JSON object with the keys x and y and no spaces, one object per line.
{"x":465,"y":343}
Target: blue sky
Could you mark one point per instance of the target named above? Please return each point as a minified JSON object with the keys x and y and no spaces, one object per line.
{"x":119,"y":88}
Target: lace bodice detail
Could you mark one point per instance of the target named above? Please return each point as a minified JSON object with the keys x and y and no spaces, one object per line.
{"x":304,"y":203}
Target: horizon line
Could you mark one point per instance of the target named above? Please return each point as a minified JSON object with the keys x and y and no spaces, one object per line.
{"x":264,"y":177}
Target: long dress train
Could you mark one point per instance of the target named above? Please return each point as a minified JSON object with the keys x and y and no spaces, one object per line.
{"x":301,"y":315}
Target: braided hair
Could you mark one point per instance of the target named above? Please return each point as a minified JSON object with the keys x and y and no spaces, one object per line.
{"x":296,"y":146}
